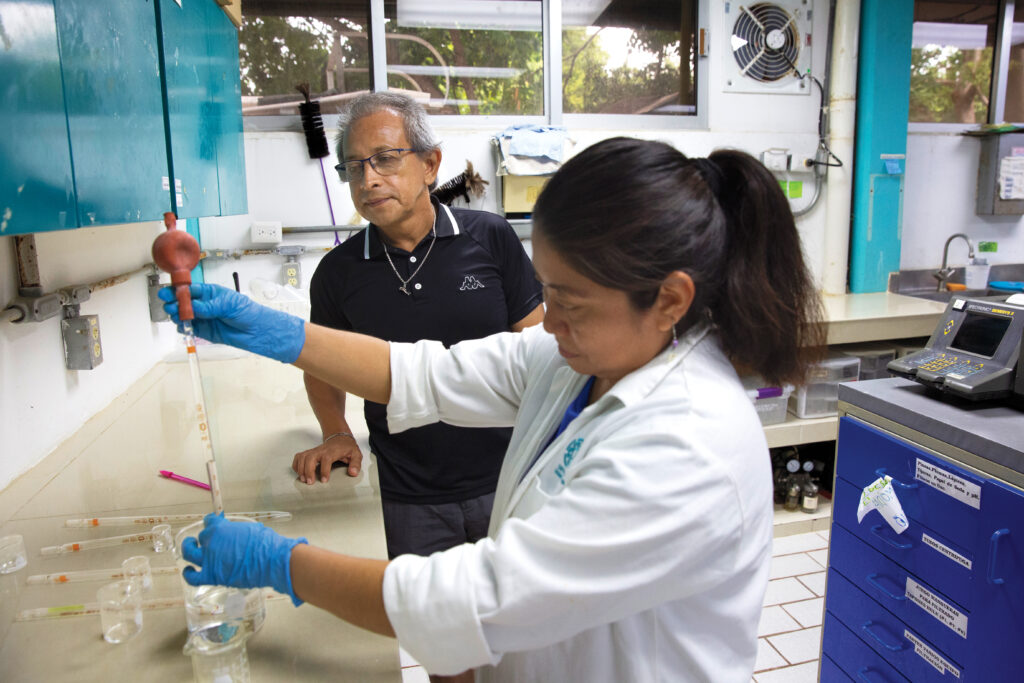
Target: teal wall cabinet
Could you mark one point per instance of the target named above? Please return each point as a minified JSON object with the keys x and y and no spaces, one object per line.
{"x":142,"y":109}
{"x":36,"y":185}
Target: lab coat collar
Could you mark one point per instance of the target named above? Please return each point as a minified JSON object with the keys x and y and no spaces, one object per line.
{"x":638,"y":384}
{"x":444,"y":224}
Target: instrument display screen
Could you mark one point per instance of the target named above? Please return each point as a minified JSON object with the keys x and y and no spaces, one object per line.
{"x":980,"y":334}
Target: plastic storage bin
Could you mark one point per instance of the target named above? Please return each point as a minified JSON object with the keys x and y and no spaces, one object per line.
{"x":874,"y":357}
{"x":769,"y":402}
{"x":820,"y":396}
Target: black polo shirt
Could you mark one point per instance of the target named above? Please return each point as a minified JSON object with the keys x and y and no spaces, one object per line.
{"x":476,"y":281}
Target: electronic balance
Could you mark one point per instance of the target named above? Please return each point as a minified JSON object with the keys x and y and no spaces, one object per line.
{"x":973,"y":353}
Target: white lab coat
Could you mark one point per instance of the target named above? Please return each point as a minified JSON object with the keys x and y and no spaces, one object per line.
{"x":636,"y":549}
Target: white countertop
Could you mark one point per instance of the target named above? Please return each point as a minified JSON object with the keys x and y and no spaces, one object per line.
{"x":879,"y":315}
{"x":259,"y":418}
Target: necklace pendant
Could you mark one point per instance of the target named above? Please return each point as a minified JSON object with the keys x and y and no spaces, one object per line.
{"x":405,"y":291}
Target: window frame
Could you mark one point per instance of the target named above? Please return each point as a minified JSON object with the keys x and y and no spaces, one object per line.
{"x":552,"y":26}
{"x":997,"y":91}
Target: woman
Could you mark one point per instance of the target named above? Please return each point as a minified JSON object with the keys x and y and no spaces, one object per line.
{"x":631,"y":531}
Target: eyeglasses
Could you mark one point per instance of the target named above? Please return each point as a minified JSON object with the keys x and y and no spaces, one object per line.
{"x":384,"y":163}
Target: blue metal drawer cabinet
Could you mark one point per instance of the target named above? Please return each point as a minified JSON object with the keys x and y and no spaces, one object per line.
{"x":944,"y":600}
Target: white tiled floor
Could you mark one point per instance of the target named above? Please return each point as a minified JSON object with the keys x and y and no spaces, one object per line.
{"x":789,"y":635}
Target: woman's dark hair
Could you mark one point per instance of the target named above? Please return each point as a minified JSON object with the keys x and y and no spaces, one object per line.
{"x":625,"y":213}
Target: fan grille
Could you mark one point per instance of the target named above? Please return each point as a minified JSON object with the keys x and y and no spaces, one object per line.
{"x":765,"y":42}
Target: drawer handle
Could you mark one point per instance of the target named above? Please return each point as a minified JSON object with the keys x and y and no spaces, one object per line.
{"x":876,"y":530}
{"x":862,"y":674}
{"x":895,"y":482}
{"x":892,"y":648}
{"x":993,"y":552}
{"x":871,"y":579}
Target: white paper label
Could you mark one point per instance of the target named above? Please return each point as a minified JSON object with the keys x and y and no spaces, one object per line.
{"x":166,"y":183}
{"x":931,"y":656}
{"x":1011,"y":178}
{"x":965,"y":491}
{"x":931,"y":603}
{"x":946,"y":550}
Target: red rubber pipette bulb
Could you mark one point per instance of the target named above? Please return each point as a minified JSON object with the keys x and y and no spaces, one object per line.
{"x":177,"y":252}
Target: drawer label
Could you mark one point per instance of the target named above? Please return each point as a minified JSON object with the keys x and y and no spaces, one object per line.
{"x":946,"y":550}
{"x":931,"y":603}
{"x":952,"y":485}
{"x":931,"y":656}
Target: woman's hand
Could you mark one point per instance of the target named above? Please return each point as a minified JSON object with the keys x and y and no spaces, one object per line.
{"x":241,"y":555}
{"x":227,"y":317}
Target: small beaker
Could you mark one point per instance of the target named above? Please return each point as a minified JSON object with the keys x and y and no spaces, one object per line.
{"x":120,"y":610}
{"x":976,"y":274}
{"x":12,"y":553}
{"x":136,"y":568}
{"x":162,"y":539}
{"x":211,"y":604}
{"x":218,"y":652}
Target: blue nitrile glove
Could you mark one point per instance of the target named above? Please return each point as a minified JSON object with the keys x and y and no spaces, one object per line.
{"x":241,"y":555}
{"x":224,"y":316}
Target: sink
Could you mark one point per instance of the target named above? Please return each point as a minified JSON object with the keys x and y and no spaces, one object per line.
{"x":944,"y":297}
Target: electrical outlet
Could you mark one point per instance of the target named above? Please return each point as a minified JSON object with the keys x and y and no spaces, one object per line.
{"x":775,"y":159}
{"x":265,"y":232}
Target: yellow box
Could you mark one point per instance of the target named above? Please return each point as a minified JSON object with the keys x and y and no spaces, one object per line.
{"x":519,"y":192}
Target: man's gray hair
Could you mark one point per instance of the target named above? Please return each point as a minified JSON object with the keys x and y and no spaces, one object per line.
{"x":414,"y":117}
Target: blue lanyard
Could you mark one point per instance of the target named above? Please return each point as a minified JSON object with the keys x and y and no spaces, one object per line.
{"x":571,"y":413}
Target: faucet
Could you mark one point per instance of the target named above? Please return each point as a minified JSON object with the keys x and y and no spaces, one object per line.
{"x":944,"y":273}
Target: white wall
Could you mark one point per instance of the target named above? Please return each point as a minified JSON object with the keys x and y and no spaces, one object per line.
{"x":939,"y":196}
{"x":41,"y":402}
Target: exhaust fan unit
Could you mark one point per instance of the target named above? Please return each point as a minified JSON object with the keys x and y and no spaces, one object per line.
{"x":768,"y":41}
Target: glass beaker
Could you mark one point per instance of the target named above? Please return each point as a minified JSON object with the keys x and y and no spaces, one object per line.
{"x":210,"y":604}
{"x":137,"y":569}
{"x":218,"y":652}
{"x":120,"y":610}
{"x":162,"y":539}
{"x":12,"y":553}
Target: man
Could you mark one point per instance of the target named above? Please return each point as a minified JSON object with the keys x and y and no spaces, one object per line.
{"x":420,"y":270}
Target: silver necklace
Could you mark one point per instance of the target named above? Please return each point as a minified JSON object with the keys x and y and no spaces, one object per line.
{"x":404,"y":289}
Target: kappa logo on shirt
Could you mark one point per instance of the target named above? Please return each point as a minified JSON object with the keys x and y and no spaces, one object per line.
{"x":470,"y":282}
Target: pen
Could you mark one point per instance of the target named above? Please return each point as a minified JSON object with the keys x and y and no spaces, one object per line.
{"x":172,"y":475}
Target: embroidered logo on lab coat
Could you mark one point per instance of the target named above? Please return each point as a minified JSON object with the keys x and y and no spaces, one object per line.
{"x":552,"y":479}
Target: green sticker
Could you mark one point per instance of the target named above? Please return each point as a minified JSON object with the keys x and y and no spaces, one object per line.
{"x":988,"y":246}
{"x":796,"y":189}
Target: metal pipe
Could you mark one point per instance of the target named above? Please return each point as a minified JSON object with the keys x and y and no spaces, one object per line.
{"x":842,"y":119}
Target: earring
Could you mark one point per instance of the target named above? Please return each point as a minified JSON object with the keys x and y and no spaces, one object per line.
{"x":675,"y":343}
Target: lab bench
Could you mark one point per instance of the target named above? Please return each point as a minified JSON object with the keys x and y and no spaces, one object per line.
{"x":942,"y":600}
{"x":259,"y":418}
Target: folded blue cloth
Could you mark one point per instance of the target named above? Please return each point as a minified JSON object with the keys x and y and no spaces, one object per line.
{"x":530,"y":140}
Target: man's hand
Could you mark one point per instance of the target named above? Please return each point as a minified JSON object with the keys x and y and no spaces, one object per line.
{"x":341,"y":448}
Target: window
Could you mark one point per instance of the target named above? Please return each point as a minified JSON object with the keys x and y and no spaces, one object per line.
{"x":468,"y":56}
{"x":279,"y":49}
{"x":629,"y":57}
{"x":474,"y":57}
{"x":957,"y":72}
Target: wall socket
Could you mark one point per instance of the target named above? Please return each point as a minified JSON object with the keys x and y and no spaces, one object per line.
{"x":265,"y":232}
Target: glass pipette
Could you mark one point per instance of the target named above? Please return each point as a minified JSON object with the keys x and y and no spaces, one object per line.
{"x":200,"y":412}
{"x":93,"y":543}
{"x":91,"y":575}
{"x":268,"y":515}
{"x":94,"y":607}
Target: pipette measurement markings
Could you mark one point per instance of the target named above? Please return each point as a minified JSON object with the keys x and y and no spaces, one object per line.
{"x":88,"y":608}
{"x":92,"y":544}
{"x":90,"y":575}
{"x":273,"y":515}
{"x":200,"y":408}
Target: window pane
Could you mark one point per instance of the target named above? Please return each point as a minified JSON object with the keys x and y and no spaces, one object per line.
{"x":629,"y":57}
{"x":468,"y":56}
{"x":281,"y":45}
{"x":1015,"y":76}
{"x":951,"y":61}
